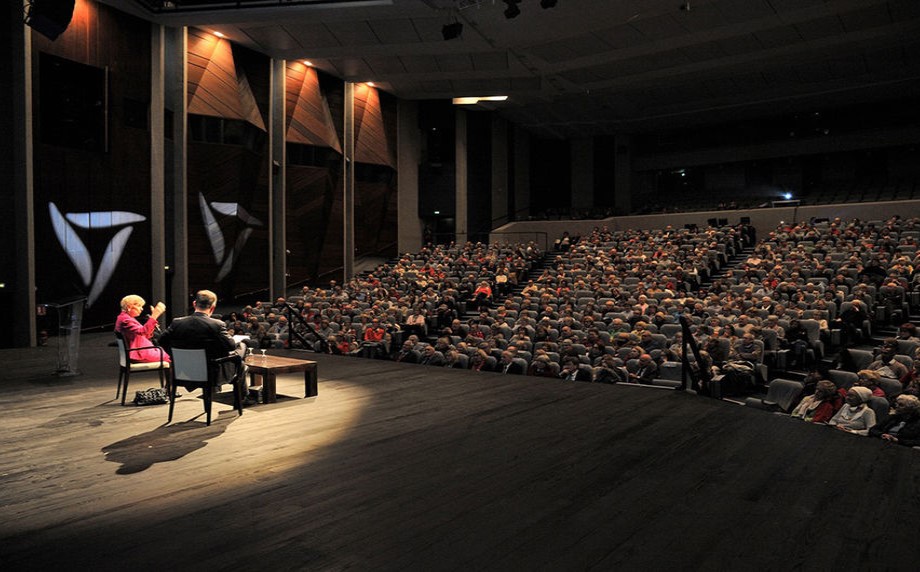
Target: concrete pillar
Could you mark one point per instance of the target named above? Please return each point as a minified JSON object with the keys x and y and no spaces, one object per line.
{"x":348,"y":206}
{"x":500,"y":163}
{"x":176,"y":98}
{"x":20,"y":133}
{"x":157,"y":163}
{"x":462,"y":214}
{"x":277,"y":182}
{"x":409,"y":233}
{"x":521,"y":174}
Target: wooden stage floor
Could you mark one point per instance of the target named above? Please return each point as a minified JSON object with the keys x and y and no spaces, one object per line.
{"x":403,"y":467}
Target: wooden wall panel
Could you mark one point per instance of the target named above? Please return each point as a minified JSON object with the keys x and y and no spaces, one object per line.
{"x":84,"y":181}
{"x":314,"y":224}
{"x":228,"y":174}
{"x":372,"y":141}
{"x":309,"y":119}
{"x":216,"y":87}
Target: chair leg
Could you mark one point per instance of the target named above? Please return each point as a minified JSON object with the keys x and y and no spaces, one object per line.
{"x":238,"y":396}
{"x":121,"y":375}
{"x":208,"y":395}
{"x":124,"y":387}
{"x":172,"y":399}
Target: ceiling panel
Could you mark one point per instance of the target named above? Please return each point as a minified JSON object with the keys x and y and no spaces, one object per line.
{"x":455,"y":63}
{"x":353,"y":33}
{"x":490,"y":61}
{"x":870,"y":17}
{"x":624,"y":36}
{"x":383,"y":66}
{"x":820,"y":28}
{"x":399,"y":31}
{"x":737,"y":11}
{"x":703,"y":52}
{"x":420,"y":64}
{"x":660,"y":27}
{"x":269,"y":37}
{"x":778,"y":37}
{"x":569,"y":48}
{"x":310,"y":34}
{"x":785,"y":6}
{"x":703,"y":17}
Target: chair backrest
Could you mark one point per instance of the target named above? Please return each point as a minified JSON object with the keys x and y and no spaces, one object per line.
{"x":122,"y":351}
{"x":881,"y":407}
{"x":785,"y":393}
{"x":891,"y":387}
{"x":842,"y":379}
{"x":190,"y":365}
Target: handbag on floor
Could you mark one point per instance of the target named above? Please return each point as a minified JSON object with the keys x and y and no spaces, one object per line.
{"x":152,"y":396}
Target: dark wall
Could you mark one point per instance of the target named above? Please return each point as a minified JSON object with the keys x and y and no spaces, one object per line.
{"x":227,"y":163}
{"x":479,"y":174}
{"x":437,"y":172}
{"x":550,"y":174}
{"x":79,"y":174}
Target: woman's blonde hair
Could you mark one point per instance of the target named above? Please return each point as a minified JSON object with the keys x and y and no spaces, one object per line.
{"x":131,"y":300}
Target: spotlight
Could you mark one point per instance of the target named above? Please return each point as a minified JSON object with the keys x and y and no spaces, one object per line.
{"x":548,"y":3}
{"x":512,"y":11}
{"x":452,"y":31}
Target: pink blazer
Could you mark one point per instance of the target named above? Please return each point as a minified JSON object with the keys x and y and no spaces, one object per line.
{"x":138,"y":336}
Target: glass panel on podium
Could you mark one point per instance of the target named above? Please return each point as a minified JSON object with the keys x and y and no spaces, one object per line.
{"x":70,"y":320}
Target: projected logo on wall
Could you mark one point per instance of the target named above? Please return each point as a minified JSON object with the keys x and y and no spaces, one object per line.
{"x":78,"y":253}
{"x":223,"y":258}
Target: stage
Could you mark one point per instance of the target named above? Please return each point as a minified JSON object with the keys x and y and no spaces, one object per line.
{"x":399,"y":466}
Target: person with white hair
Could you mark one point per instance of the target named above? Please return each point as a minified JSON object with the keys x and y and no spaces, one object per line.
{"x":903,"y":427}
{"x":138,"y":336}
{"x":855,"y":416}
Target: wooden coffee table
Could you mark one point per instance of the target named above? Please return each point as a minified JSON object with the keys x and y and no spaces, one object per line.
{"x":269,"y":366}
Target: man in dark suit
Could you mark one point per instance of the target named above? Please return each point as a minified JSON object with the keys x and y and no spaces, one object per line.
{"x":572,"y":372}
{"x":508,"y":365}
{"x":201,"y":331}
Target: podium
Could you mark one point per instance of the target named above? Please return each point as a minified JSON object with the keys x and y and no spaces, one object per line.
{"x":70,"y":318}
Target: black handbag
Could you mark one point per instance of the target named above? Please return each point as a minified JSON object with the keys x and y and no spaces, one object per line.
{"x":152,"y":396}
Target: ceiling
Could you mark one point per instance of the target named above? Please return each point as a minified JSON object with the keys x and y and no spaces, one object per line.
{"x":587,"y":67}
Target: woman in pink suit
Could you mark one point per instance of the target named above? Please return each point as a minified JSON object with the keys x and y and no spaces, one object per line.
{"x":137,"y":335}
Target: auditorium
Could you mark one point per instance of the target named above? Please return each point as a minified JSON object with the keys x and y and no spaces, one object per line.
{"x":495,"y":284}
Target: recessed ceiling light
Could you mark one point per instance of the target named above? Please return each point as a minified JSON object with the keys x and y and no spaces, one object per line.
{"x":476,"y":99}
{"x":370,"y":84}
{"x":219,"y":35}
{"x":308,"y":63}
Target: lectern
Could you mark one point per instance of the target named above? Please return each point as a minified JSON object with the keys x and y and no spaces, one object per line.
{"x":70,"y":318}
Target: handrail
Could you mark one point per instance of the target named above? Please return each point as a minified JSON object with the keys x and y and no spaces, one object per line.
{"x":687,"y":340}
{"x":293,"y":314}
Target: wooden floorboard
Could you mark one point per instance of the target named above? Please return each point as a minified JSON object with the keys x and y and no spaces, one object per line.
{"x":404,"y":467}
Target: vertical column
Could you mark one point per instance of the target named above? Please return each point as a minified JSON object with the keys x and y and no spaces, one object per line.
{"x":20,"y":67}
{"x":409,"y":236}
{"x":499,"y":173}
{"x":521,"y":174}
{"x":157,"y":162}
{"x":622,"y":173}
{"x":277,"y":186}
{"x":348,"y":205}
{"x":176,"y":99}
{"x":462,"y":214}
{"x":582,"y":173}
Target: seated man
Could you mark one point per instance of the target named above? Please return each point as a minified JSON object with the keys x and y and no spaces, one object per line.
{"x":201,"y":331}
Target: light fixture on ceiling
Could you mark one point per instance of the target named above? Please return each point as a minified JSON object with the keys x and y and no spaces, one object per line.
{"x":476,"y":99}
{"x":219,"y":35}
{"x":452,"y":31}
{"x":370,"y":84}
{"x":512,"y":11}
{"x":548,"y":4}
{"x":308,"y":63}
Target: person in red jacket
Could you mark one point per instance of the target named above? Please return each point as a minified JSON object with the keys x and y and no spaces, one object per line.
{"x":820,"y":407}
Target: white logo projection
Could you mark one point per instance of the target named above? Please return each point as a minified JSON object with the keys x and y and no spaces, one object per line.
{"x":64,"y":229}
{"x":223,"y":258}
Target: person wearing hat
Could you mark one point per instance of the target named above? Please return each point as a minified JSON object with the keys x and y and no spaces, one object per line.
{"x":855,"y":416}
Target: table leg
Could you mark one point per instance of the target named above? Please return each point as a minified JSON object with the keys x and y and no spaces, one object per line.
{"x":268,"y":388}
{"x":309,"y":382}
